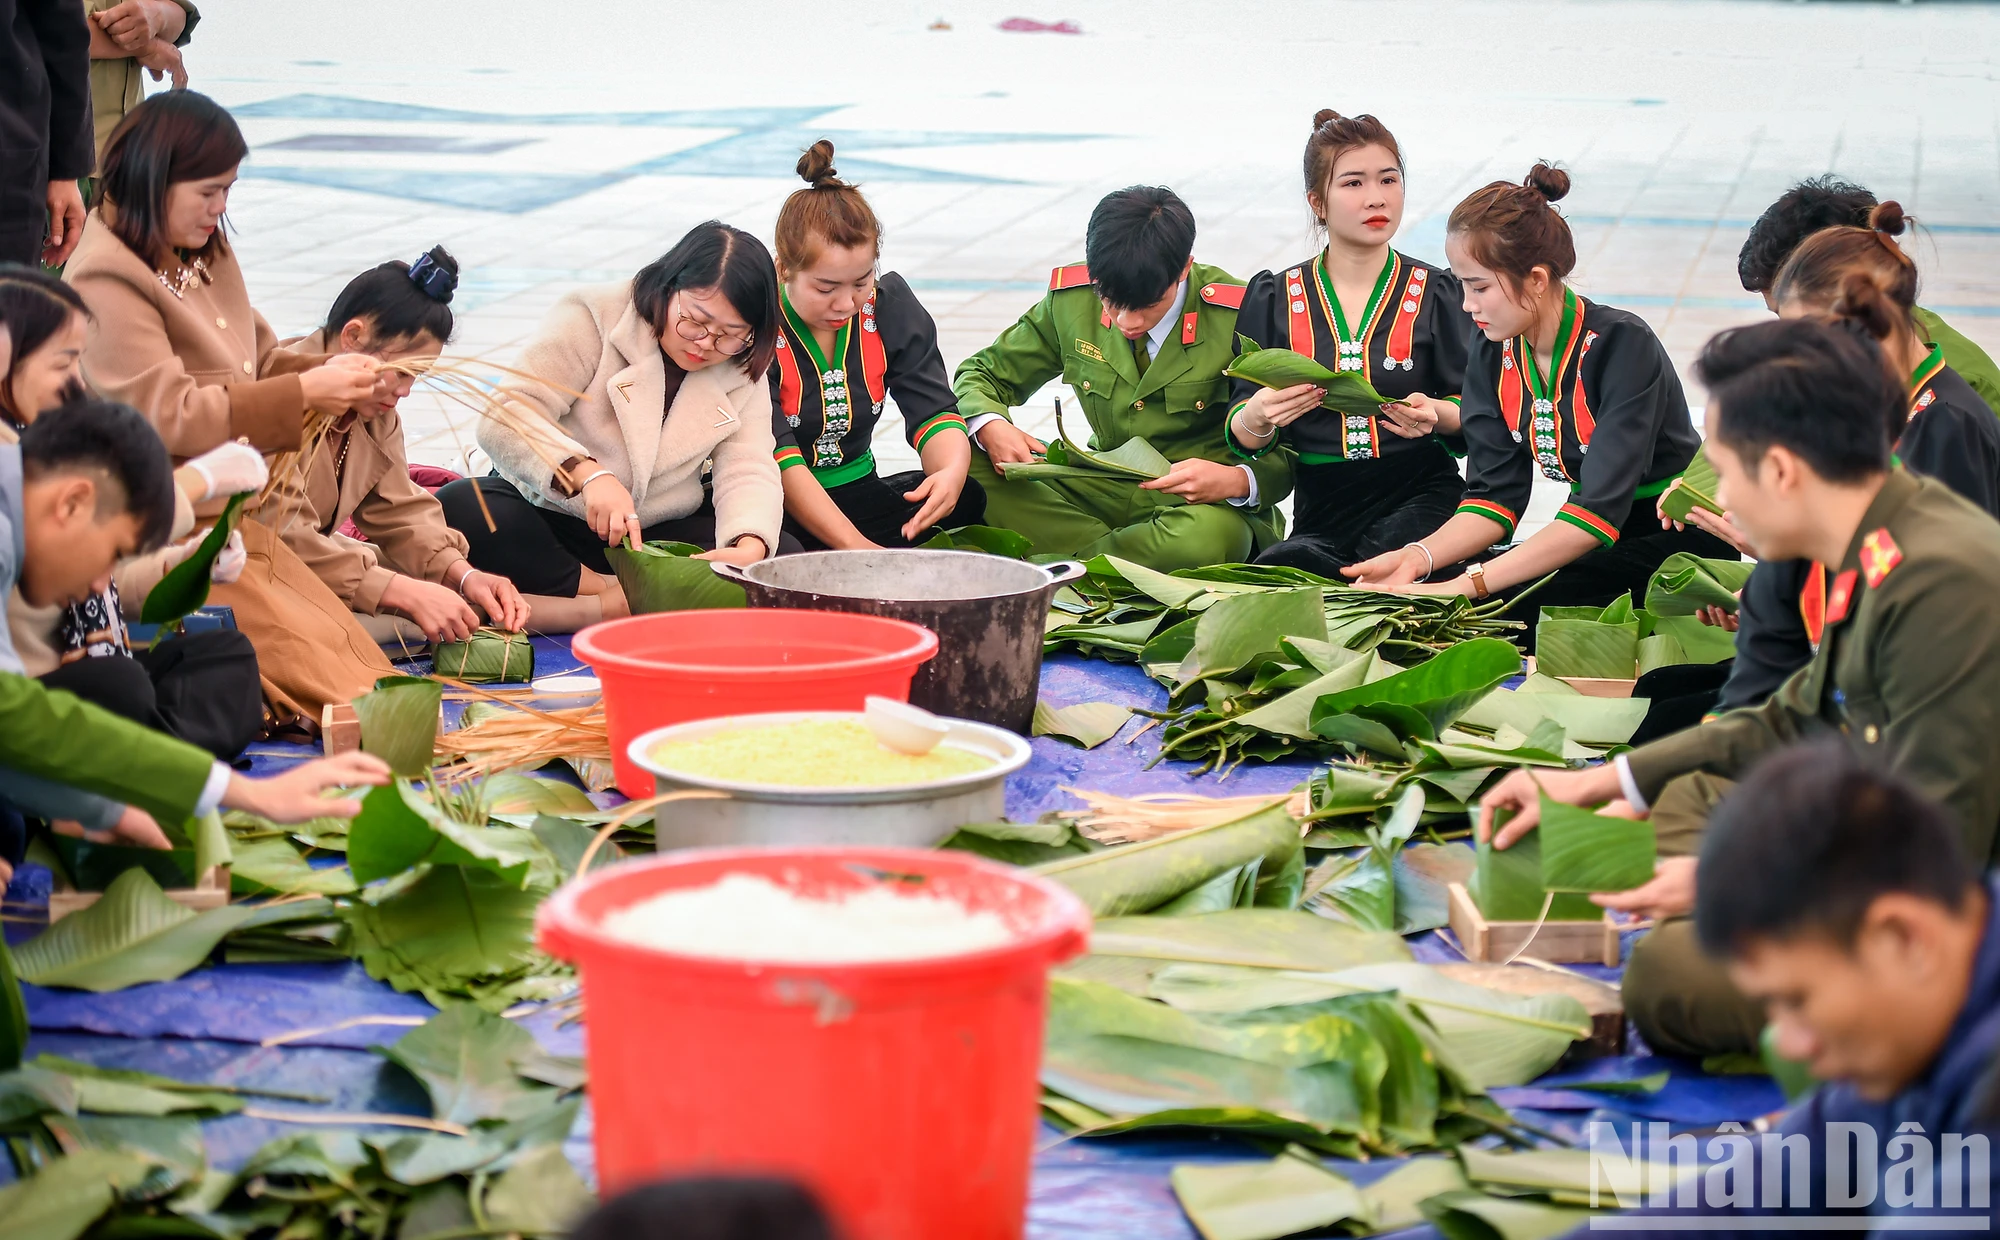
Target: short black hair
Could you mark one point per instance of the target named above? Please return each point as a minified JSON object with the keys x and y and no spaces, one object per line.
{"x":1818,"y":389}
{"x":1139,"y":240}
{"x":34,"y":305}
{"x":1801,"y":211}
{"x":396,"y":307}
{"x":117,"y":444}
{"x":709,"y":1208}
{"x":1810,"y":839}
{"x":714,"y":255}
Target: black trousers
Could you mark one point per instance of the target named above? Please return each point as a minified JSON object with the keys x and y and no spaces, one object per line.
{"x":1345,"y":512}
{"x":876,"y":506}
{"x":543,"y":551}
{"x":202,"y":687}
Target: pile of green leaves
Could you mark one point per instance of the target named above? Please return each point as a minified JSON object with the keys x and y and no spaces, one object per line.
{"x":1346,"y":391}
{"x":1267,"y":663}
{"x":990,"y":539}
{"x":1622,"y":642}
{"x":665,"y":576}
{"x":121,"y":1153}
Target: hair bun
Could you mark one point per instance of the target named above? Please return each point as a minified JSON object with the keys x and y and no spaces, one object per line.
{"x":436,"y":274}
{"x":1324,"y":115}
{"x":1888,"y":217}
{"x":816,"y":165}
{"x":1548,"y":180}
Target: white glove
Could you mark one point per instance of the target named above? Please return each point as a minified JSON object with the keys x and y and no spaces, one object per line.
{"x":230,"y":470}
{"x":229,"y":562}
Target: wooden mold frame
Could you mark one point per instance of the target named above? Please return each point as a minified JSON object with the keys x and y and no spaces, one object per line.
{"x":211,"y":890}
{"x":1558,"y":942}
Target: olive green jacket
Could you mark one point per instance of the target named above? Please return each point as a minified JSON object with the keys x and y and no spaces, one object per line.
{"x":1907,"y":669}
{"x":1180,"y":405}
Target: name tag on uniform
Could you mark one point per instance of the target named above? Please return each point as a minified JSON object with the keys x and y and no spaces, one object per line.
{"x":1089,"y":350}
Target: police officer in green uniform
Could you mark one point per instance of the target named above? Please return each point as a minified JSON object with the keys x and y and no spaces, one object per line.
{"x":1141,"y":333}
{"x":1907,"y":669}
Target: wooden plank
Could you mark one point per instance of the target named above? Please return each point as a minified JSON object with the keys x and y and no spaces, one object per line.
{"x":211,"y":890}
{"x":340,"y":728}
{"x":1560,"y":942}
{"x":1604,"y":1003}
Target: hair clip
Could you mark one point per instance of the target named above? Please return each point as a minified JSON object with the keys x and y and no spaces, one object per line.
{"x":432,"y":279}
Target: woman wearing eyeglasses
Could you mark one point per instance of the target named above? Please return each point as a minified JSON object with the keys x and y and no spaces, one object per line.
{"x":670,"y":366}
{"x":850,"y":340}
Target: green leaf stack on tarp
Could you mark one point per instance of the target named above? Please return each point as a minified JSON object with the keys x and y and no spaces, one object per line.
{"x":665,"y":576}
{"x":1621,"y":642}
{"x":489,"y":656}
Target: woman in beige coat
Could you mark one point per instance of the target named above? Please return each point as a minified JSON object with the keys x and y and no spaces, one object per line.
{"x":670,"y":370}
{"x":176,"y":338}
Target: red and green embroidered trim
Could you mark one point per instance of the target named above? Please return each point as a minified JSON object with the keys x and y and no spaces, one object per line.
{"x":1584,"y":519}
{"x":787,"y":457}
{"x":1491,"y":511}
{"x":945,"y":421}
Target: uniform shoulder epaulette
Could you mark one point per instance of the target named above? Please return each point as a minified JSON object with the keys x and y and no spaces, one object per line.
{"x":1879,"y":556}
{"x":1076,"y":275}
{"x":1228,"y":295}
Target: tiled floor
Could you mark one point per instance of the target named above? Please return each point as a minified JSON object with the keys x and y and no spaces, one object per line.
{"x":552,"y":145}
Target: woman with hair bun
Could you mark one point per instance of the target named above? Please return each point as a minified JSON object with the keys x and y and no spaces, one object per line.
{"x":1366,"y":484}
{"x":850,"y":338}
{"x":413,"y":564}
{"x":1554,"y":382}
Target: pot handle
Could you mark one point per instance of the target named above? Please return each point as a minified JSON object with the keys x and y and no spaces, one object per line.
{"x":1065,"y":570}
{"x":723,"y":568}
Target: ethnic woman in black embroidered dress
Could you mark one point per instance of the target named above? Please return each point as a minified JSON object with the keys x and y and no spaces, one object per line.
{"x":1554,"y":383}
{"x":850,"y":340}
{"x":1365,"y":484}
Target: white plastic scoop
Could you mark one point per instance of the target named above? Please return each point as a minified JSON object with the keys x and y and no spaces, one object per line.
{"x":903,"y":727}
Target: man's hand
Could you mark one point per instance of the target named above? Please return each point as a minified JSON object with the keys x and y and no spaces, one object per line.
{"x":1201,"y":482}
{"x":497,"y":597}
{"x":298,"y":794}
{"x":935,"y":497}
{"x":1007,"y":444}
{"x":162,"y":59}
{"x":1722,"y":527}
{"x":1670,"y":894}
{"x":1520,"y":793}
{"x":133,"y":24}
{"x":436,"y":609}
{"x":137,"y":828}
{"x":65,"y":223}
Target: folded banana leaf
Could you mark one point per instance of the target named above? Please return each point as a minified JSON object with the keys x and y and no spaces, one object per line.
{"x":1507,"y":885}
{"x":1686,"y":583}
{"x":1346,"y":392}
{"x":990,"y":539}
{"x":1696,"y":489}
{"x":489,"y":656}
{"x":663,"y":576}
{"x":1140,"y":877}
{"x":399,"y":722}
{"x":1136,"y":459}
{"x":185,"y":587}
{"x":1590,"y":643}
{"x":1587,"y":852}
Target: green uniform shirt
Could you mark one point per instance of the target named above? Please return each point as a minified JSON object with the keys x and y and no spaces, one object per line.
{"x":1181,"y":403}
{"x":1907,"y":669}
{"x":58,"y":737}
{"x":1970,"y":361}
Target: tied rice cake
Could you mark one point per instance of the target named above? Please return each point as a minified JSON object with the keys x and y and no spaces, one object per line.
{"x":812,"y":753}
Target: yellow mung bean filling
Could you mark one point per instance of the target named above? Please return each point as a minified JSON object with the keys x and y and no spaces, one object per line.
{"x":812,"y":753}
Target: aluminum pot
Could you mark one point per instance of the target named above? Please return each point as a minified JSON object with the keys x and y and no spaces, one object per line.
{"x":904,"y":816}
{"x":988,"y":612}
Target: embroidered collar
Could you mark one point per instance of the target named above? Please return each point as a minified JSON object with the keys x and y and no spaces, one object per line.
{"x":1920,"y":378}
{"x":1353,"y":346}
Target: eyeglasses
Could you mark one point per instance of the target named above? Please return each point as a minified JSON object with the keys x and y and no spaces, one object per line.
{"x":694,"y":330}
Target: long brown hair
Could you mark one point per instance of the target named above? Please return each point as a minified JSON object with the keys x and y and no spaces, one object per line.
{"x":1513,"y":229}
{"x":1334,"y":135}
{"x":1830,"y":267}
{"x":828,"y":212}
{"x":175,"y":136}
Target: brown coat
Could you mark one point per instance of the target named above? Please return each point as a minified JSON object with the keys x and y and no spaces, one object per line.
{"x":595,"y":342}
{"x":202,"y":365}
{"x":404,"y":523}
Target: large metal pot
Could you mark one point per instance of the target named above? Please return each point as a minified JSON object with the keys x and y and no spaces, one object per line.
{"x":902,"y":816}
{"x":988,"y":612}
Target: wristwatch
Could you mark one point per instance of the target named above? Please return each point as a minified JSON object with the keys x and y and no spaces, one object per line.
{"x":1476,"y":574}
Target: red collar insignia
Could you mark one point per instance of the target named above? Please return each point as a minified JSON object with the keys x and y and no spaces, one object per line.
{"x":1840,"y":597}
{"x":1879,"y":556}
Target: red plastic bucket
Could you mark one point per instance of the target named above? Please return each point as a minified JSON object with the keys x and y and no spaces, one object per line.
{"x":904,"y":1093}
{"x":677,"y":666}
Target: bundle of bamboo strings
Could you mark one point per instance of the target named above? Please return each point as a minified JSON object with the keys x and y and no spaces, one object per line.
{"x":1112,"y":819}
{"x":517,"y":735}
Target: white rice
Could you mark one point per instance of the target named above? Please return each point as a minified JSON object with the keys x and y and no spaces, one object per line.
{"x":744,"y":917}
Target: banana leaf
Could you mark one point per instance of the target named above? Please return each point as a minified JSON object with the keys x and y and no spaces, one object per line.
{"x":1588,"y":720}
{"x":1437,"y":691}
{"x":466,"y":1060}
{"x":1507,"y":885}
{"x":1569,"y":642}
{"x":449,"y":928}
{"x":1587,"y":852}
{"x":1021,"y":843}
{"x":1699,"y":643}
{"x":990,"y":539}
{"x":489,"y":656}
{"x":132,"y":934}
{"x":399,"y":722}
{"x":510,"y":793}
{"x":273,"y":866}
{"x":1364,"y":894}
{"x":62,"y":1200}
{"x":1568,"y":1175}
{"x":1424,"y":873}
{"x":1684,"y":583}
{"x":1245,"y":627}
{"x":1346,"y":392}
{"x":1265,"y":1200}
{"x":91,"y":866}
{"x":1473,"y":1215}
{"x":1139,"y":877}
{"x":1165,"y":588}
{"x":13,"y":1017}
{"x":398,"y":828}
{"x":185,"y":587}
{"x":1291,"y":714}
{"x":1696,"y":490}
{"x":663,"y":576}
{"x":1262,"y":938}
{"x":539,"y":1194}
{"x":1661,"y":650}
{"x":1088,"y":724}
{"x":1395,"y":1200}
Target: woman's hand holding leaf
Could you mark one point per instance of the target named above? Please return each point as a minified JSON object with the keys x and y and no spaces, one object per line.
{"x":743,"y":554}
{"x":497,"y":597}
{"x":1269,"y":408}
{"x":1716,"y":618}
{"x":1200,"y":482}
{"x":1670,"y":894}
{"x":297,"y":794}
{"x":1520,"y":794}
{"x":1418,"y":415}
{"x":609,"y":508}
